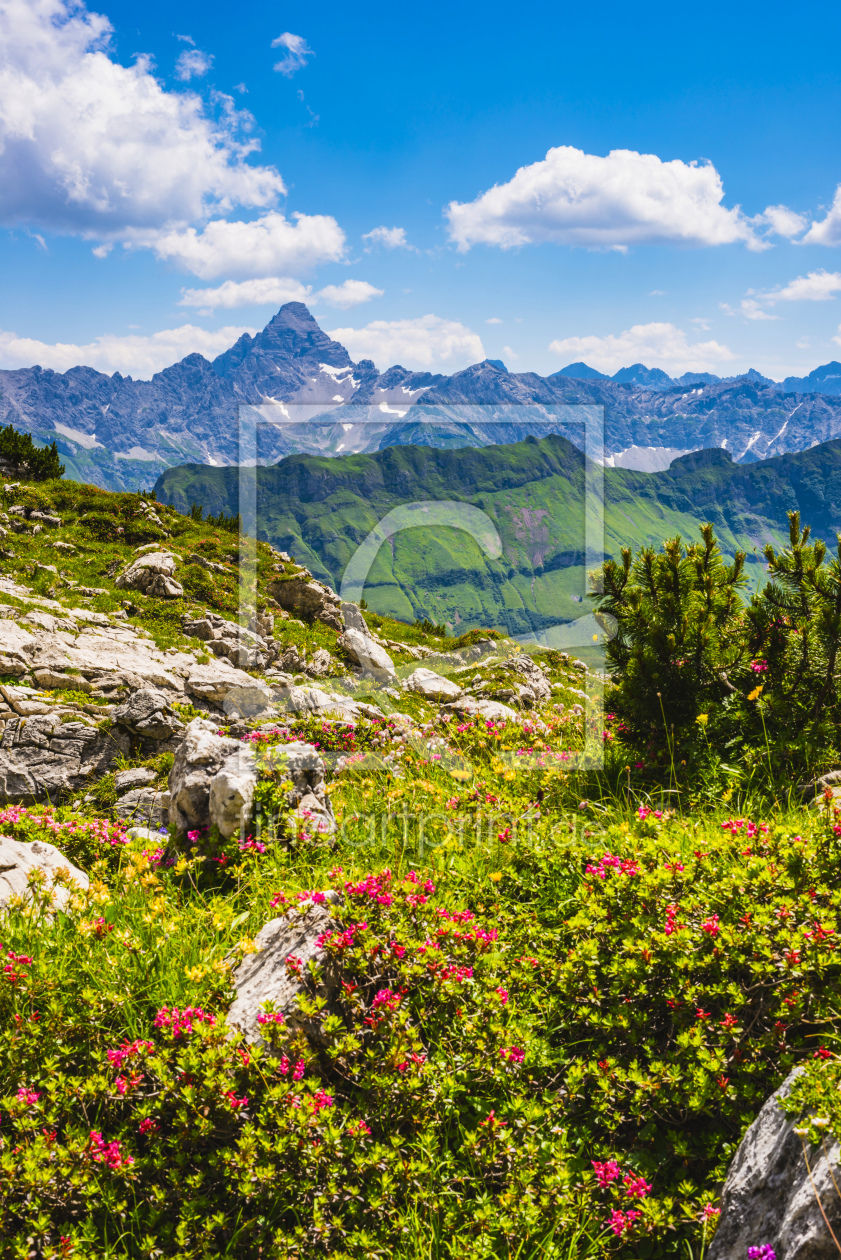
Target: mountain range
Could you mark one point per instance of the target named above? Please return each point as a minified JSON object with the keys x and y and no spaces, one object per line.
{"x":533,"y":492}
{"x":121,"y":433}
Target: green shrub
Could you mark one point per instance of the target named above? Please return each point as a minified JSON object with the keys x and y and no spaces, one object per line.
{"x":36,"y":463}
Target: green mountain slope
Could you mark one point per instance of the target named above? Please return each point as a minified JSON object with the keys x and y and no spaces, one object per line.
{"x":533,"y":492}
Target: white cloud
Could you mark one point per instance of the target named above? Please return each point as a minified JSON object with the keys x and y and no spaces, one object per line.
{"x":348,"y":294}
{"x":389,"y":238}
{"x":193,"y":64}
{"x":273,"y":290}
{"x":817,"y":286}
{"x":494,"y":319}
{"x":624,"y":199}
{"x":262,"y":247}
{"x":782,"y":221}
{"x":509,"y":353}
{"x":89,"y":146}
{"x":429,"y":342}
{"x":655,"y":345}
{"x":135,"y":356}
{"x":296,"y":53}
{"x":749,"y":308}
{"x":828,"y":231}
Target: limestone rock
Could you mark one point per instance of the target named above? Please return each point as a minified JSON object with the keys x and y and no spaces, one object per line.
{"x":363,"y":651}
{"x":139,"y":777}
{"x":491,"y":710}
{"x":534,"y":677}
{"x":266,"y":977}
{"x":147,"y":714}
{"x":232,"y":792}
{"x":353,"y":618}
{"x":144,"y":806}
{"x":426,"y":683}
{"x":769,"y":1198}
{"x":152,"y":574}
{"x":199,"y":759}
{"x":50,"y":680}
{"x":323,"y":703}
{"x":42,"y":756}
{"x":18,"y":859}
{"x":301,"y":596}
{"x":213,"y":682}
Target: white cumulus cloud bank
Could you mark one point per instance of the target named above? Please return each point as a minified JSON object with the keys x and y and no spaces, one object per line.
{"x":275,"y":290}
{"x":656,"y":345}
{"x":427,"y":343}
{"x":134,"y":355}
{"x":262,"y":247}
{"x":613,"y":202}
{"x":296,"y":53}
{"x":92,"y":147}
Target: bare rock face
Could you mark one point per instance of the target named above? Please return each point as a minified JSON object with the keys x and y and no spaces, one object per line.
{"x":426,"y":683}
{"x":303,"y":597}
{"x":232,"y":792}
{"x":242,"y":646}
{"x":305,"y":768}
{"x":353,"y":618}
{"x":127,"y":780}
{"x":147,"y":713}
{"x":363,"y":651}
{"x":152,"y":574}
{"x":213,"y":682}
{"x":271,"y":975}
{"x":43,"y":757}
{"x":533,"y":676}
{"x":144,"y":806}
{"x":201,"y":757}
{"x":18,"y":860}
{"x":769,"y":1197}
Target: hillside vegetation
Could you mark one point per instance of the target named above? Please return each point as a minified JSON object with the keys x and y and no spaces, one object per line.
{"x":553,"y":993}
{"x":321,"y":509}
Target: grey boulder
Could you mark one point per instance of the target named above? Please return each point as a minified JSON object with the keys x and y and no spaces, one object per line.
{"x":363,"y":651}
{"x":17,"y":862}
{"x":203,"y":754}
{"x":771,"y":1199}
{"x":147,"y":713}
{"x":144,"y":806}
{"x":43,"y":757}
{"x":426,"y":683}
{"x":152,"y":574}
{"x":266,"y":975}
{"x":304,"y":597}
{"x":140,"y":776}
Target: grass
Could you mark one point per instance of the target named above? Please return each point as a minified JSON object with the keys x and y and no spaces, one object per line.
{"x":546,"y":974}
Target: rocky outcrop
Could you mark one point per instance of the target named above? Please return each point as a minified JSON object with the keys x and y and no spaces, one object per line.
{"x":214,"y":682}
{"x":19,"y":860}
{"x":303,"y":765}
{"x":535,"y":686}
{"x":243,"y":647}
{"x":368,"y":655}
{"x":303,"y":597}
{"x":773,"y":1198}
{"x":267,"y":976}
{"x":42,"y":757}
{"x":148,"y":715}
{"x":153,"y":575}
{"x":201,"y":757}
{"x":142,"y":806}
{"x":426,"y":683}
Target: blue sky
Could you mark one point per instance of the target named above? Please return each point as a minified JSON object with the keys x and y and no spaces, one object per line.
{"x":154,"y":161}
